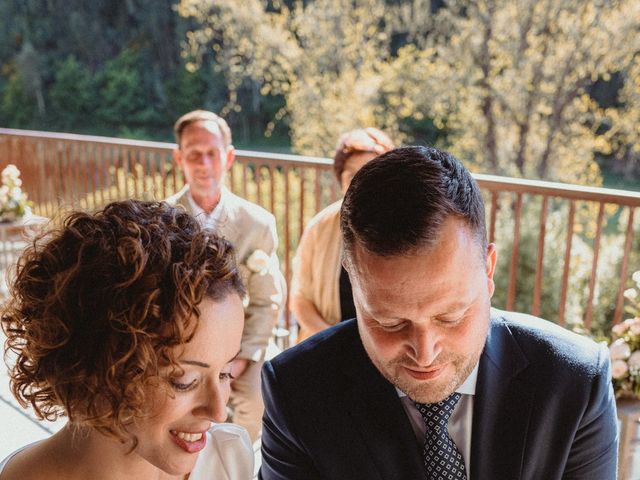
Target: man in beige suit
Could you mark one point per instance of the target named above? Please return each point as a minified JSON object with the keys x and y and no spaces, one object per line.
{"x":205,"y":153}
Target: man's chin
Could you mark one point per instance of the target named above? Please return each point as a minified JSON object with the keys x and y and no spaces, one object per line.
{"x":427,"y":393}
{"x":426,"y":390}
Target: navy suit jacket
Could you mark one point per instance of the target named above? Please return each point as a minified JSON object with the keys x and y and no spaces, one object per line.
{"x":544,"y":409}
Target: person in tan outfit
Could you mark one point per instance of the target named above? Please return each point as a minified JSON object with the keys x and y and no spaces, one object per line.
{"x":204,"y":153}
{"x":320,"y":289}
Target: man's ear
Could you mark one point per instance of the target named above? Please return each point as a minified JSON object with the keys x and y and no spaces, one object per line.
{"x":490,"y":267}
{"x":231,"y":156}
{"x":177,"y":157}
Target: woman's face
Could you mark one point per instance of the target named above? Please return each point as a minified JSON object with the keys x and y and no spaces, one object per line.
{"x":352,"y":164}
{"x":171,"y":438}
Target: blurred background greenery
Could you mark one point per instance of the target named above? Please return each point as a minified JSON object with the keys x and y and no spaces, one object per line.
{"x":538,"y":89}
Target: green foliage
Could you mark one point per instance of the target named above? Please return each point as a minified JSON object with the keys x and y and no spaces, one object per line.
{"x":73,"y":94}
{"x":17,"y":107}
{"x":122,"y":92}
{"x":580,"y":266}
{"x":185,"y":91}
{"x":505,"y":83}
{"x":324,"y":58}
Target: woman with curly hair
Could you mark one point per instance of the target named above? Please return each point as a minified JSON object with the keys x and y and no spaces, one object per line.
{"x":126,"y":322}
{"x":320,"y":289}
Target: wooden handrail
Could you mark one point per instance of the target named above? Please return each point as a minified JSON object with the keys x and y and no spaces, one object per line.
{"x":89,"y":171}
{"x":559,"y":190}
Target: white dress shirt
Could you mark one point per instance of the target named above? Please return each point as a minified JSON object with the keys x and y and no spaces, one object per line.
{"x":460,"y":422}
{"x":207,"y":220}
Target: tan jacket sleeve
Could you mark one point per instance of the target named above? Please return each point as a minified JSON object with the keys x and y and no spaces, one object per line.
{"x":301,"y":281}
{"x":266,"y":290}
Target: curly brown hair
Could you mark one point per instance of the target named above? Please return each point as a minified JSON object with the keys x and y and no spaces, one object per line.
{"x":98,"y":306}
{"x":360,"y":140}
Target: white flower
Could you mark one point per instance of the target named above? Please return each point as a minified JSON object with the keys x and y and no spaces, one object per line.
{"x":635,"y":327}
{"x":636,"y":277}
{"x":619,"y":350}
{"x":634,"y":360}
{"x":630,"y":293}
{"x":620,"y":328}
{"x":258,"y":261}
{"x":619,"y":369}
{"x":9,"y":173}
{"x":13,"y":201}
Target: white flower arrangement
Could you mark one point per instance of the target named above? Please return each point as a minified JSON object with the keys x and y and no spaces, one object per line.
{"x":625,"y":347}
{"x":13,"y":201}
{"x":258,"y":261}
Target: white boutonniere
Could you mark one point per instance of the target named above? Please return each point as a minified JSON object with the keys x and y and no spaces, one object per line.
{"x":258,"y":261}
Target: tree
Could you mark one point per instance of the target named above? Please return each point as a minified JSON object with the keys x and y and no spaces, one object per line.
{"x":622,"y":136}
{"x":29,"y":67}
{"x":508,"y":79}
{"x":126,"y":103}
{"x":17,"y":107}
{"x":325,"y":57}
{"x":73,"y":94}
{"x":505,"y":81}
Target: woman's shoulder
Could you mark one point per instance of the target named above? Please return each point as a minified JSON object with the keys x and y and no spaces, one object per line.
{"x":9,"y":457}
{"x":326,"y":218}
{"x":228,"y":454}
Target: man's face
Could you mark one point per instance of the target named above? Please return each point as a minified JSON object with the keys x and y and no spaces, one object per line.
{"x":204,"y":158}
{"x":424,"y":317}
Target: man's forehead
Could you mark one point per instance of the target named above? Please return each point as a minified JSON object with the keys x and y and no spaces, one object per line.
{"x":208,"y":126}
{"x":454,"y":238}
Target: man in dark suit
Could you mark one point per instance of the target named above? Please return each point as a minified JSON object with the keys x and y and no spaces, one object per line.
{"x":429,"y":381}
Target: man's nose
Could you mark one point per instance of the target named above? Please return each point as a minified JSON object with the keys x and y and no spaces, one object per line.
{"x":425,"y":344}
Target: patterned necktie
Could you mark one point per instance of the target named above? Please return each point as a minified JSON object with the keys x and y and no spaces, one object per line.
{"x":442,"y":459}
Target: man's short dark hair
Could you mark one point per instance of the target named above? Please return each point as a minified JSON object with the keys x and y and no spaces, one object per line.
{"x":398,"y":202}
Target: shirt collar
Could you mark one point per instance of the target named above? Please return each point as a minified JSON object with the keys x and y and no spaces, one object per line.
{"x":209,"y":218}
{"x":468,"y":387}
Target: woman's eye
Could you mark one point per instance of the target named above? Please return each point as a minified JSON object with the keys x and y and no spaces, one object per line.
{"x":226,"y":376}
{"x":182,"y":387}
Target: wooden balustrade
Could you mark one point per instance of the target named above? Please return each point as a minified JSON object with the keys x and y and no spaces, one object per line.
{"x":566,"y":274}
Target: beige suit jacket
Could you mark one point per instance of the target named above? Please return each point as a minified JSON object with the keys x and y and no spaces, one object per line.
{"x":250,"y":228}
{"x":316,"y":266}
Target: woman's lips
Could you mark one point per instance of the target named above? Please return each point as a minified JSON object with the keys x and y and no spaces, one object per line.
{"x":189,"y":446}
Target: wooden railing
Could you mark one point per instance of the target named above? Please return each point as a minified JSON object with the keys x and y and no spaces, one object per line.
{"x":566,"y":252}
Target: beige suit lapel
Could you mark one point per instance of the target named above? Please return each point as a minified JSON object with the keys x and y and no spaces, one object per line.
{"x":228,"y":222}
{"x":181,"y":199}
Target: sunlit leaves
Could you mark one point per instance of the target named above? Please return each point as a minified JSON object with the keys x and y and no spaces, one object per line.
{"x":505,"y":81}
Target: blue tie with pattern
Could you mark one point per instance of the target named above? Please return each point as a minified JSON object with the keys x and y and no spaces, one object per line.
{"x":442,"y":459}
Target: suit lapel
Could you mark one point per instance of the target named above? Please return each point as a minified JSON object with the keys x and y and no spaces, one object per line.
{"x":181,"y":199}
{"x":502,"y":408}
{"x":378,"y":416}
{"x":226,"y":222}
{"x":226,"y":226}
